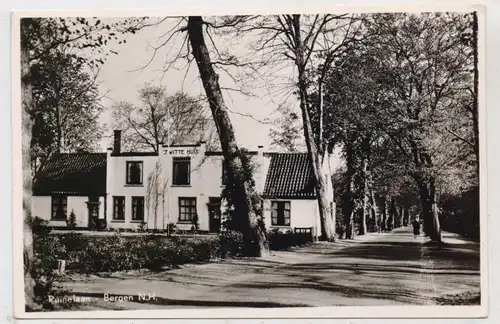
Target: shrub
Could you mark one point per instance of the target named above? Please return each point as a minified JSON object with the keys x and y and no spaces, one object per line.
{"x":283,"y":241}
{"x":86,"y":254}
{"x":195,"y":222}
{"x":71,"y":221}
{"x":171,"y":228}
{"x":202,"y":250}
{"x":73,"y":241}
{"x":152,"y":253}
{"x":142,"y":228}
{"x":48,"y":250}
{"x":230,"y":244}
{"x":39,"y":226}
{"x":460,"y":213}
{"x":101,"y":224}
{"x":92,"y":254}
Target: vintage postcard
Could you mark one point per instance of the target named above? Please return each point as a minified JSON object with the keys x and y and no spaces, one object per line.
{"x":326,"y":161}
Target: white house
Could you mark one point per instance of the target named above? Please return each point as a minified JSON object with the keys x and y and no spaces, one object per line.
{"x":174,"y":185}
{"x":71,"y":182}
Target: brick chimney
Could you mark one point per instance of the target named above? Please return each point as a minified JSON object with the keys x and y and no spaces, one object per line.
{"x":117,"y":142}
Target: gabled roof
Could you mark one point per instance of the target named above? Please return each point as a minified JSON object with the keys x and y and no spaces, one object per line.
{"x":72,"y":174}
{"x":289,"y":177}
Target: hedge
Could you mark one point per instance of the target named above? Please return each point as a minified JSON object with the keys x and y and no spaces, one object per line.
{"x":93,"y":254}
{"x":87,"y":254}
{"x":283,"y":241}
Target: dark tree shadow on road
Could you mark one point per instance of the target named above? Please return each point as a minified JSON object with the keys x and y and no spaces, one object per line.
{"x":361,"y":267}
{"x":459,"y":254}
{"x":348,"y":291}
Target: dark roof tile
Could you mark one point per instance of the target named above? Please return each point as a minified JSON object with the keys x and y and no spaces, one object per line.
{"x":289,"y":176}
{"x":73,"y":174}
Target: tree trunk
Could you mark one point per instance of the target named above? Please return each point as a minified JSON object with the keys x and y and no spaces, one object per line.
{"x":366,"y":212}
{"x":385,"y":214}
{"x":59,"y":131}
{"x":320,"y":144}
{"x":27,"y":106}
{"x":327,"y":225}
{"x":393,"y":214}
{"x":401,"y":216}
{"x":156,"y":211}
{"x":349,"y":210}
{"x":374,"y":209}
{"x":475,"y":105}
{"x":255,"y":243}
{"x":366,"y":153}
{"x":349,"y":203}
{"x":430,"y":213}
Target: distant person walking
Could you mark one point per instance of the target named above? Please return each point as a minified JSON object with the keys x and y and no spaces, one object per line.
{"x":416,"y":228}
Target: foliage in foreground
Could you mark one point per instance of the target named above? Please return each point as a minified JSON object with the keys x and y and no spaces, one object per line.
{"x":87,"y":254}
{"x":93,"y":254}
{"x":283,"y":241}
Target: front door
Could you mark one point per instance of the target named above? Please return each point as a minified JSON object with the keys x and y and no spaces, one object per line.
{"x":93,"y":209}
{"x":214,"y":214}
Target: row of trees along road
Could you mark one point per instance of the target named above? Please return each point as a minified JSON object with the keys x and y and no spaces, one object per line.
{"x":396,"y":92}
{"x":400,"y":101}
{"x":403,"y":106}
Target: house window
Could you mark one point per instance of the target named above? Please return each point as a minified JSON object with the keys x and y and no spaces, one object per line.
{"x":134,"y":172}
{"x":181,"y":171}
{"x":59,"y":207}
{"x":187,"y":209}
{"x":138,"y":208}
{"x":280,"y":213}
{"x":118,"y":208}
{"x":93,"y":206}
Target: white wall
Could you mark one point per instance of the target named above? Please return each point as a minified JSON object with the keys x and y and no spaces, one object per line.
{"x":205,"y":182}
{"x":303,"y":213}
{"x":79,"y":206}
{"x":42,"y":207}
{"x":116,"y":186}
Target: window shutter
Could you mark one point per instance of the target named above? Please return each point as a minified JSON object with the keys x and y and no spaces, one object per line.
{"x":286,"y":214}
{"x":274,"y":213}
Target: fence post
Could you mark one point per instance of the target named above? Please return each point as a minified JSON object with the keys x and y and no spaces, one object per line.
{"x":61,"y":267}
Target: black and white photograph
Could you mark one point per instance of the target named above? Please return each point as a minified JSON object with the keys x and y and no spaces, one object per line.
{"x":274,"y":161}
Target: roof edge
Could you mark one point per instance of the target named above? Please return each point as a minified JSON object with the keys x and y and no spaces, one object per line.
{"x":270,"y":197}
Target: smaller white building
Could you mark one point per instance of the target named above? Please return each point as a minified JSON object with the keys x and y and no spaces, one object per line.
{"x":178,"y":185}
{"x":72,"y":183}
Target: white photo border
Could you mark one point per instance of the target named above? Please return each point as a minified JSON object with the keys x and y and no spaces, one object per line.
{"x":227,"y":313}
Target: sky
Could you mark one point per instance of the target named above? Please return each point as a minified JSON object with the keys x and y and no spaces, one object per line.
{"x":252,"y":113}
{"x":124,"y":74}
